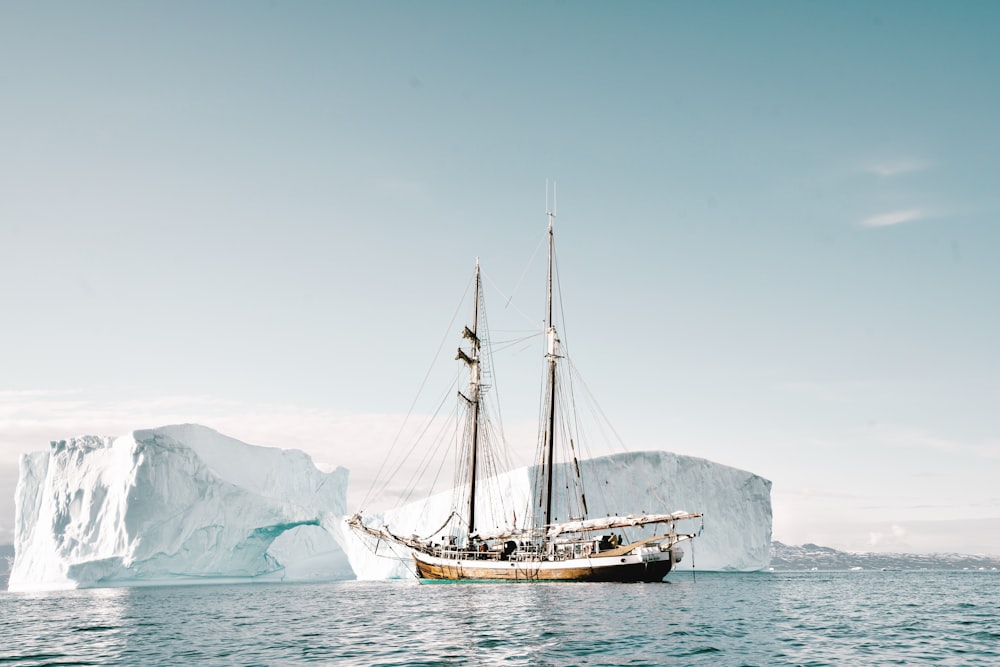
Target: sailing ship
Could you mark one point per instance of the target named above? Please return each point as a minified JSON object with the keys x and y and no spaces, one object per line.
{"x":548,"y":550}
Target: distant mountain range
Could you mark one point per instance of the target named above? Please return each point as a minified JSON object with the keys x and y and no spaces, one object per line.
{"x":786,"y":557}
{"x":6,"y":557}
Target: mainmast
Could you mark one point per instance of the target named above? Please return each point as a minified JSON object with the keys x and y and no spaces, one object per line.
{"x":473,"y":398}
{"x":552,"y":340}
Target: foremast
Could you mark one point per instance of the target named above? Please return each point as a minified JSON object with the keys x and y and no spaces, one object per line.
{"x":474,"y":399}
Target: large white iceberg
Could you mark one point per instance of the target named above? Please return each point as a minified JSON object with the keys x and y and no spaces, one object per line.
{"x":185,"y":504}
{"x":175,"y":504}
{"x":736,"y":505}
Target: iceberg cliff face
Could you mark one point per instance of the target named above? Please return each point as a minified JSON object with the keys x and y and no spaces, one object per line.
{"x":185,"y":504}
{"x":736,"y":505}
{"x":172,"y":505}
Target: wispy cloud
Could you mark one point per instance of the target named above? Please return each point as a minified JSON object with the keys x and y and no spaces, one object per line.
{"x":896,"y":166}
{"x":29,"y":420}
{"x":894,"y":536}
{"x":894,"y":218}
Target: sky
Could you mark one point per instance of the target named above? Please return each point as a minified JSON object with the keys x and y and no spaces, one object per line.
{"x":777,"y":230}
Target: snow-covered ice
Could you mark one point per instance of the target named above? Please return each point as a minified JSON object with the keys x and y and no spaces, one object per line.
{"x":177,"y":504}
{"x":736,"y":505}
{"x":185,"y":504}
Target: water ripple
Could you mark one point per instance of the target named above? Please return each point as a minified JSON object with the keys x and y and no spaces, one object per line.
{"x":877,"y":618}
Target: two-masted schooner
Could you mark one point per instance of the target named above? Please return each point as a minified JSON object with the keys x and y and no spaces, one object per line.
{"x":581,"y":549}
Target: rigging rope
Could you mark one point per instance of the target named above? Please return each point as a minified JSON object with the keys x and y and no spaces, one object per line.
{"x":442,"y":527}
{"x":509,"y":299}
{"x":395,"y":440}
{"x":428,"y":452}
{"x":570,"y":436}
{"x":542,"y":241}
{"x":694,"y":575}
{"x":602,"y":422}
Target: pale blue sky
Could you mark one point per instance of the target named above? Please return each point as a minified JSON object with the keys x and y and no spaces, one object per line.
{"x":778,"y":231}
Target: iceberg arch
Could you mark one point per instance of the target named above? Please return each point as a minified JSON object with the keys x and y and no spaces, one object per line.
{"x":176,"y":504}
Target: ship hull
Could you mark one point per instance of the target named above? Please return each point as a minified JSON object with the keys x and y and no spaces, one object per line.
{"x":649,"y":567}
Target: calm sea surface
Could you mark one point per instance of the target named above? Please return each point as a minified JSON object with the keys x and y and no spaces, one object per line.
{"x":815,"y":618}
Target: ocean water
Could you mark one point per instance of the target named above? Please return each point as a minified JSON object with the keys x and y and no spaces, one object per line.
{"x":814,"y":618}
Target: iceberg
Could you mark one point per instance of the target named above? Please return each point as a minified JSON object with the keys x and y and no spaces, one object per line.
{"x":736,"y":505}
{"x":177,"y":504}
{"x":186,"y":504}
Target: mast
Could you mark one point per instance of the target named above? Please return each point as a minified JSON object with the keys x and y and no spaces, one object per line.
{"x":473,"y":398}
{"x":552,"y":340}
